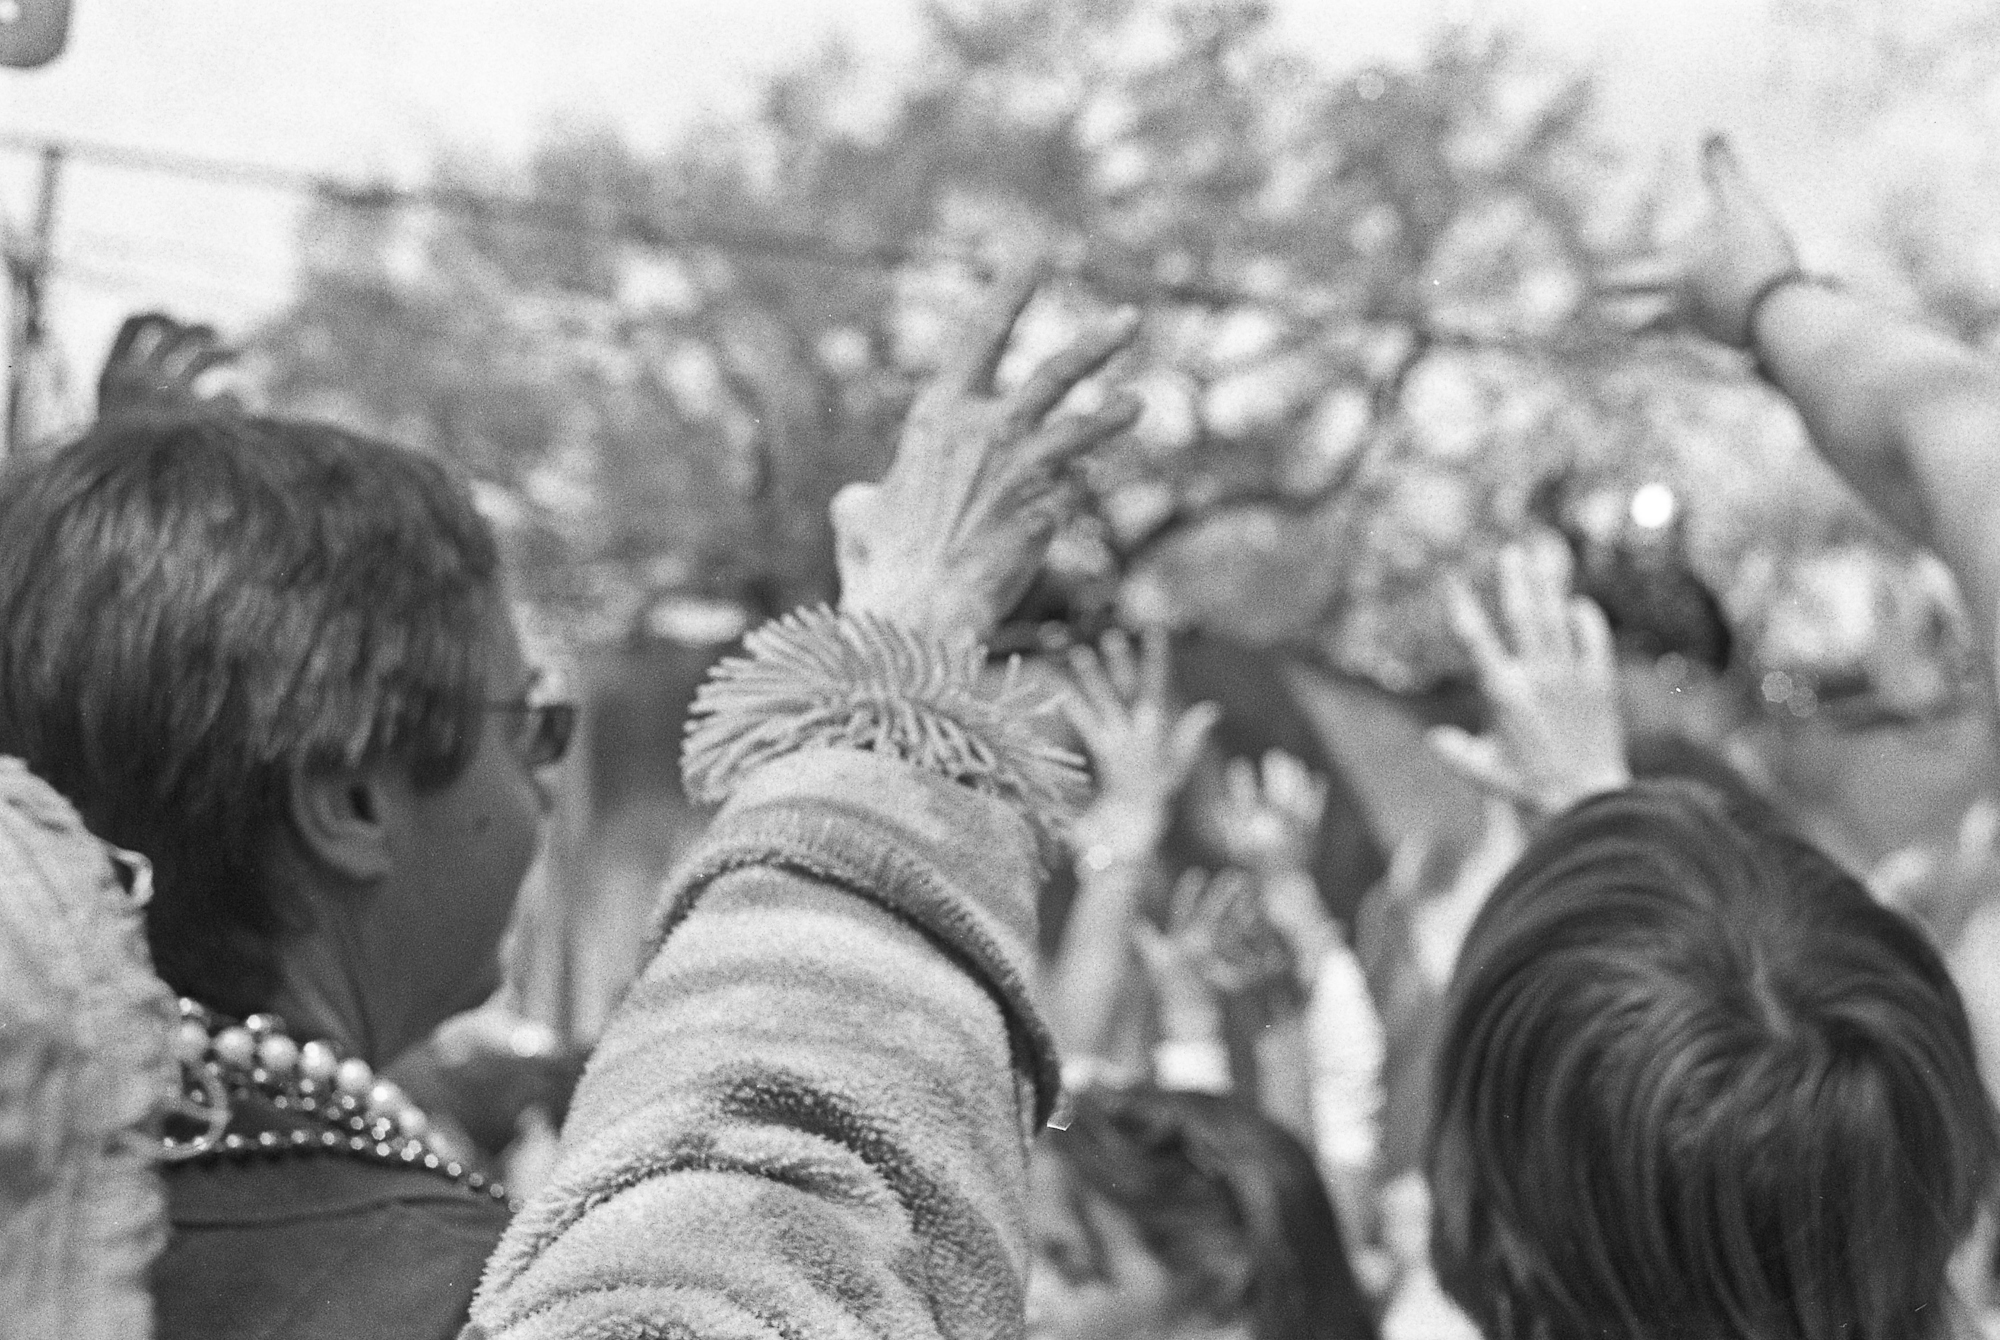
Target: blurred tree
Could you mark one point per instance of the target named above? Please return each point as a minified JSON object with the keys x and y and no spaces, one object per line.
{"x":1368,"y":330}
{"x":1905,"y":93}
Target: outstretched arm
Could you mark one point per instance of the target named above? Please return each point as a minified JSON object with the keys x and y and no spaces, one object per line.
{"x":1142,"y":749}
{"x":1910,"y":417}
{"x":810,"y":1117}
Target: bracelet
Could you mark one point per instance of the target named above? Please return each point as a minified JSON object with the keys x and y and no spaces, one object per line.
{"x":1784,"y":279}
{"x":819,"y":679}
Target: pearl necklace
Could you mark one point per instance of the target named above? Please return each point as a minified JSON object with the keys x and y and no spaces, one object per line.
{"x":356,"y":1113}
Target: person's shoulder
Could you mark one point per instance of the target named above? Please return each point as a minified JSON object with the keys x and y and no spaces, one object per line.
{"x":321,"y":1249}
{"x":280,"y":1189}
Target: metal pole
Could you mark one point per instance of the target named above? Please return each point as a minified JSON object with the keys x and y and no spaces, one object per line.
{"x":28,"y":264}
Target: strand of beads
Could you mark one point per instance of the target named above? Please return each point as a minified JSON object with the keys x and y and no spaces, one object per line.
{"x":359,"y":1113}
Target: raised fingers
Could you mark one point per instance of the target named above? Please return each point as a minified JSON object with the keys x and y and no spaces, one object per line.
{"x":1722,"y":174}
{"x":1239,"y":780}
{"x":1095,"y":693}
{"x":1593,"y":633}
{"x":1750,"y":225}
{"x":1555,"y":581}
{"x":138,"y":334}
{"x":1059,"y":374}
{"x":1191,"y":734}
{"x":1473,"y":627}
{"x":1225,"y":897}
{"x":1155,"y":681}
{"x":1644,"y":296}
{"x":1292,"y":786}
{"x":1045,"y":506}
{"x":1068,"y":436}
{"x":1478,"y":759}
{"x":1121,"y":665}
{"x":1534,"y":594}
{"x":191,"y":351}
{"x":1537,"y":623}
{"x":983,"y":342}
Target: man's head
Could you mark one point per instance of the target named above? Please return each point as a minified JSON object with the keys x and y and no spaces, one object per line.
{"x":1694,"y":1081}
{"x":241,"y":645}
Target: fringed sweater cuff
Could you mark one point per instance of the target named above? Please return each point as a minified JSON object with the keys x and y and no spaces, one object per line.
{"x":821,"y":679}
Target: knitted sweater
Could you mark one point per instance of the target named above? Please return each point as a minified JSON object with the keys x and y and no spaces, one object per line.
{"x":85,"y":1055}
{"x":811,"y":1115}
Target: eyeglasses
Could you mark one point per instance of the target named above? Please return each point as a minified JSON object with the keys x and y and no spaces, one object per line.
{"x":135,"y":874}
{"x":546,"y":729}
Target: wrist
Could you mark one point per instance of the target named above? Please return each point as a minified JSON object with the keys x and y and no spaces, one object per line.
{"x":918,"y":607}
{"x":815,"y":680}
{"x":1115,"y":833}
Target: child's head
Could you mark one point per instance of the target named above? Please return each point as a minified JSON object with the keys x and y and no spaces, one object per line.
{"x":1179,"y":1214}
{"x":1694,"y":1081}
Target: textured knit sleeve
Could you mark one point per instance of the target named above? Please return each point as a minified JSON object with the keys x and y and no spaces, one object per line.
{"x":810,"y":1117}
{"x":85,"y":1062}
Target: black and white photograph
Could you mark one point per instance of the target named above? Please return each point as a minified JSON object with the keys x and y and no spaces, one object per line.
{"x":1000,"y":670}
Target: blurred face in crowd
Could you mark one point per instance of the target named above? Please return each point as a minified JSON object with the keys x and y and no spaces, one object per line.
{"x":1093,"y":1277}
{"x":460,"y":852}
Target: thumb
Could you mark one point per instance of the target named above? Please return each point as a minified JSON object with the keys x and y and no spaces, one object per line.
{"x":1476,"y":758}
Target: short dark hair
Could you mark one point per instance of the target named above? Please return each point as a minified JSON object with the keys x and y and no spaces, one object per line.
{"x":1694,"y":1081}
{"x":1227,"y":1200}
{"x":191,"y":606}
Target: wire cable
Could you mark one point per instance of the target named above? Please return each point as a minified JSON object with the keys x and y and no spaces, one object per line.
{"x":688,"y":231}
{"x":680,"y":232}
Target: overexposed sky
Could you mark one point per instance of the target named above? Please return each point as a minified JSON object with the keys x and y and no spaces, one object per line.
{"x":371,"y":87}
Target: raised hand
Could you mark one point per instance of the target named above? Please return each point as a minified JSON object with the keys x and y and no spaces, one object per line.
{"x":1217,"y":928}
{"x":1710,"y":281}
{"x":949,"y":539}
{"x":1141,"y":747}
{"x":1189,"y":1006}
{"x":1266,"y":821}
{"x":156,"y":362}
{"x":1550,"y":685}
{"x":1266,"y":818}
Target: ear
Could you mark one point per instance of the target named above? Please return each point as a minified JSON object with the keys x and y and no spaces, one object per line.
{"x":340,"y":818}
